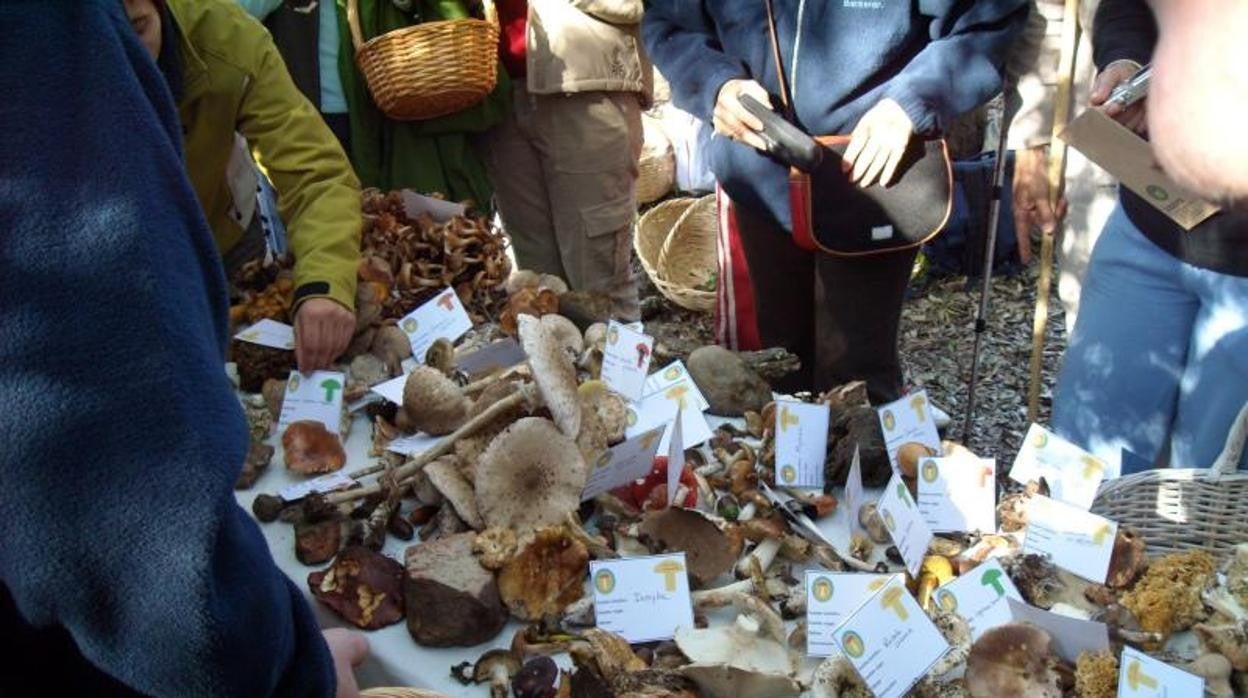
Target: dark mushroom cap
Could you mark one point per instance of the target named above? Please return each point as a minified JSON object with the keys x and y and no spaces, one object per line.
{"x":537,"y":679}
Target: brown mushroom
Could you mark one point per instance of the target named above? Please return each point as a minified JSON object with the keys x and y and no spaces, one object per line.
{"x":433,"y":403}
{"x":497,"y":667}
{"x":1013,"y":660}
{"x":364,"y":587}
{"x":445,"y":475}
{"x":531,"y":475}
{"x":1216,"y":671}
{"x":546,"y":575}
{"x":310,"y":449}
{"x":1128,"y":560}
{"x":708,"y":551}
{"x":392,"y":345}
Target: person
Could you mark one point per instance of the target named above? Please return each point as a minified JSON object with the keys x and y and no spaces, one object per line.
{"x":127,"y":567}
{"x":1158,"y":361}
{"x":226,"y":75}
{"x":564,"y":163}
{"x":1200,"y":96}
{"x":884,"y":72}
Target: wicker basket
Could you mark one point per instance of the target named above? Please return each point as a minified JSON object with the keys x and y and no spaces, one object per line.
{"x":1176,"y":510}
{"x":657,"y":165}
{"x":431,"y":69}
{"x":676,"y":243}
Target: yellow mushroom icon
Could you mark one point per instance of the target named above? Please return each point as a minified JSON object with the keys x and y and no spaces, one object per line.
{"x":788,"y":473}
{"x":891,"y":600}
{"x":1092,"y":467}
{"x":875,"y":585}
{"x":677,"y":394}
{"x":1041,"y":440}
{"x":1136,"y":677}
{"x":1099,"y":535}
{"x":918,"y":402}
{"x":787,"y":419}
{"x":669,"y":569}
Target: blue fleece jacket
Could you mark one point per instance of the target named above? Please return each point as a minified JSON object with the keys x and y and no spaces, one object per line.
{"x":126,"y":566}
{"x":936,"y":58}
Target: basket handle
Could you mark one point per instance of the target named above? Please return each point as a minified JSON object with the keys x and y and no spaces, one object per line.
{"x":489,"y":12}
{"x":353,"y":23}
{"x":1228,"y":462}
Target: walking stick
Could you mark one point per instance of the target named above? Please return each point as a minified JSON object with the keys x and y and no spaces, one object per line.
{"x":1057,"y":185}
{"x":990,"y":250}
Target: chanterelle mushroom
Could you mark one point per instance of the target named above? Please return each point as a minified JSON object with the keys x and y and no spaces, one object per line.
{"x":553,"y":372}
{"x":1013,"y":660}
{"x":433,"y":403}
{"x":531,"y":475}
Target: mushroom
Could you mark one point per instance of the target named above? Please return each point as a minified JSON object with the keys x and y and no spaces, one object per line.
{"x":494,"y":547}
{"x":708,"y":551}
{"x":1036,"y":578}
{"x":441,"y":356}
{"x":1237,"y":575}
{"x":1167,"y":599}
{"x":836,"y":677}
{"x":590,"y":360}
{"x":363,"y":587}
{"x":444,"y":474}
{"x":552,"y":283}
{"x":1128,"y":560}
{"x":1230,"y":641}
{"x":531,"y":475}
{"x":1216,"y":671}
{"x":546,"y":575}
{"x":604,"y":418}
{"x":1015,"y":659}
{"x":873,"y":523}
{"x":727,"y":681}
{"x":957,"y":633}
{"x":860,"y":546}
{"x":745,"y":644}
{"x":1096,"y":675}
{"x":433,"y":403}
{"x":553,"y":372}
{"x":565,"y":333}
{"x":310,"y":449}
{"x":1012,"y":510}
{"x":392,"y":345}
{"x":497,"y":667}
{"x":521,"y":279}
{"x":609,"y":653}
{"x":908,"y":457}
{"x":536,"y":679}
{"x":935,"y":571}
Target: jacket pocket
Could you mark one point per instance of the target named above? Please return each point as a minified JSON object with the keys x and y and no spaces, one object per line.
{"x":608,"y":217}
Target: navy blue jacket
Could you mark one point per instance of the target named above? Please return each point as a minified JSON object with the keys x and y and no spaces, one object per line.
{"x":125,"y":566}
{"x":936,"y":58}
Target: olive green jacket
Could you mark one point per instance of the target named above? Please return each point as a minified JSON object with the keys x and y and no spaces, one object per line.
{"x":235,"y":80}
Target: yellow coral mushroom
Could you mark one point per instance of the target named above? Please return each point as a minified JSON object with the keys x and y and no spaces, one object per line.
{"x":1096,"y":675}
{"x":1167,"y":600}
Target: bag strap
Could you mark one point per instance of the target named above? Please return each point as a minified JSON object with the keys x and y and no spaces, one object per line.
{"x":785,"y":103}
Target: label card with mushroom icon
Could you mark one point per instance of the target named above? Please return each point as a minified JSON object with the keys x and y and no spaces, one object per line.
{"x":444,"y":316}
{"x":1077,"y":541}
{"x":908,"y":420}
{"x":830,"y":598}
{"x":891,"y":641}
{"x":626,"y":361}
{"x":981,"y":597}
{"x":958,"y":493}
{"x":1072,"y":474}
{"x":801,"y":443}
{"x":316,"y":397}
{"x":905,"y":524}
{"x":642,"y":599}
{"x":269,"y":333}
{"x":1141,"y":676}
{"x":668,"y":392}
{"x":621,"y":464}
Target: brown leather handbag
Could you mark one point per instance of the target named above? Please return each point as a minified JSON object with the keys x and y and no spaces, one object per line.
{"x":850,"y":221}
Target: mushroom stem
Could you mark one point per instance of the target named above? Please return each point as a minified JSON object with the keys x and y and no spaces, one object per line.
{"x":847,"y":560}
{"x":1136,"y":637}
{"x":596,"y":545}
{"x":483,"y":383}
{"x":443,"y":447}
{"x":765,"y":552}
{"x":721,"y":596}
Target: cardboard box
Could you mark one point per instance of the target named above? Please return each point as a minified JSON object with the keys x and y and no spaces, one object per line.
{"x":1128,"y":157}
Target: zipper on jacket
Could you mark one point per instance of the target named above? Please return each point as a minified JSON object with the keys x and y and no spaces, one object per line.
{"x":797,"y":47}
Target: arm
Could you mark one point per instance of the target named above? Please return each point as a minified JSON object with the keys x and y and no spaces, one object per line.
{"x":133,"y":545}
{"x":681,"y":40}
{"x":961,"y":67}
{"x":1125,"y":31}
{"x":613,"y":11}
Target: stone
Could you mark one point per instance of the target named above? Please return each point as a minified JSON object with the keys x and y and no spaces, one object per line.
{"x":730,"y":386}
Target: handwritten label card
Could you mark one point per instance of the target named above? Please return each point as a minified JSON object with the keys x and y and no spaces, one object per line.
{"x":642,"y":599}
{"x":316,"y":397}
{"x":905,"y":524}
{"x":672,"y":375}
{"x":1141,"y":676}
{"x":1073,"y":474}
{"x":981,"y":597}
{"x":801,"y":443}
{"x":623,"y":463}
{"x":891,"y":641}
{"x":1074,"y":539}
{"x":908,"y":420}
{"x":444,"y":316}
{"x":1071,"y":636}
{"x":661,"y":407}
{"x":830,"y":598}
{"x":958,"y":494}
{"x":626,"y":361}
{"x":675,"y":460}
{"x":324,"y":483}
{"x":853,"y":491}
{"x":269,"y":333}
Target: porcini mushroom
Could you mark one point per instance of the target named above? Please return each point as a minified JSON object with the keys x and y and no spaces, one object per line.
{"x":1015,"y":659}
{"x":531,"y":475}
{"x":553,"y":372}
{"x":445,"y":475}
{"x":497,"y":667}
{"x":433,"y":403}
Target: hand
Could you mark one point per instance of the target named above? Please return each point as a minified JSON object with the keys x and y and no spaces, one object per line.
{"x":1134,"y":117}
{"x":323,"y":330}
{"x":349,"y":650}
{"x":1033,"y":207}
{"x":732,"y":120}
{"x":877,"y":144}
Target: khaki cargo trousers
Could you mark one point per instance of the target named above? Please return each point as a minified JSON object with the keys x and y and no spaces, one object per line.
{"x":564,"y":170}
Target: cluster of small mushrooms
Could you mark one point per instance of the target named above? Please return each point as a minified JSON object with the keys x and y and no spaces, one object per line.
{"x":504,"y":536}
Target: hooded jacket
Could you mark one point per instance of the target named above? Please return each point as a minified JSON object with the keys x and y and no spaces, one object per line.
{"x":936,"y":58}
{"x":233,"y":79}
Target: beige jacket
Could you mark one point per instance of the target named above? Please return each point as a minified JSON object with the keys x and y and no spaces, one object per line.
{"x":586,"y":46}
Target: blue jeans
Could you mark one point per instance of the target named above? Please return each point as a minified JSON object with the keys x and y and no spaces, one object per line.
{"x":1158,"y":358}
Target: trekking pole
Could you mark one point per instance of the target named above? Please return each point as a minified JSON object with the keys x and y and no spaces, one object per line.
{"x":990,"y":249}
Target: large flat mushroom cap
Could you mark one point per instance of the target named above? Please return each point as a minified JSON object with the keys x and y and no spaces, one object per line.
{"x":445,"y":475}
{"x":433,"y":403}
{"x":1012,"y":660}
{"x":553,"y":372}
{"x":531,"y":475}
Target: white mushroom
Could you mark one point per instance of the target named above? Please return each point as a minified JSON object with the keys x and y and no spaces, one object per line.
{"x":445,"y":475}
{"x":531,"y":475}
{"x":743,"y":645}
{"x":565,"y":333}
{"x":553,"y":372}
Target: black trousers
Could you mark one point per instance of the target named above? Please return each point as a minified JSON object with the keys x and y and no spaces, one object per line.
{"x":839,"y":315}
